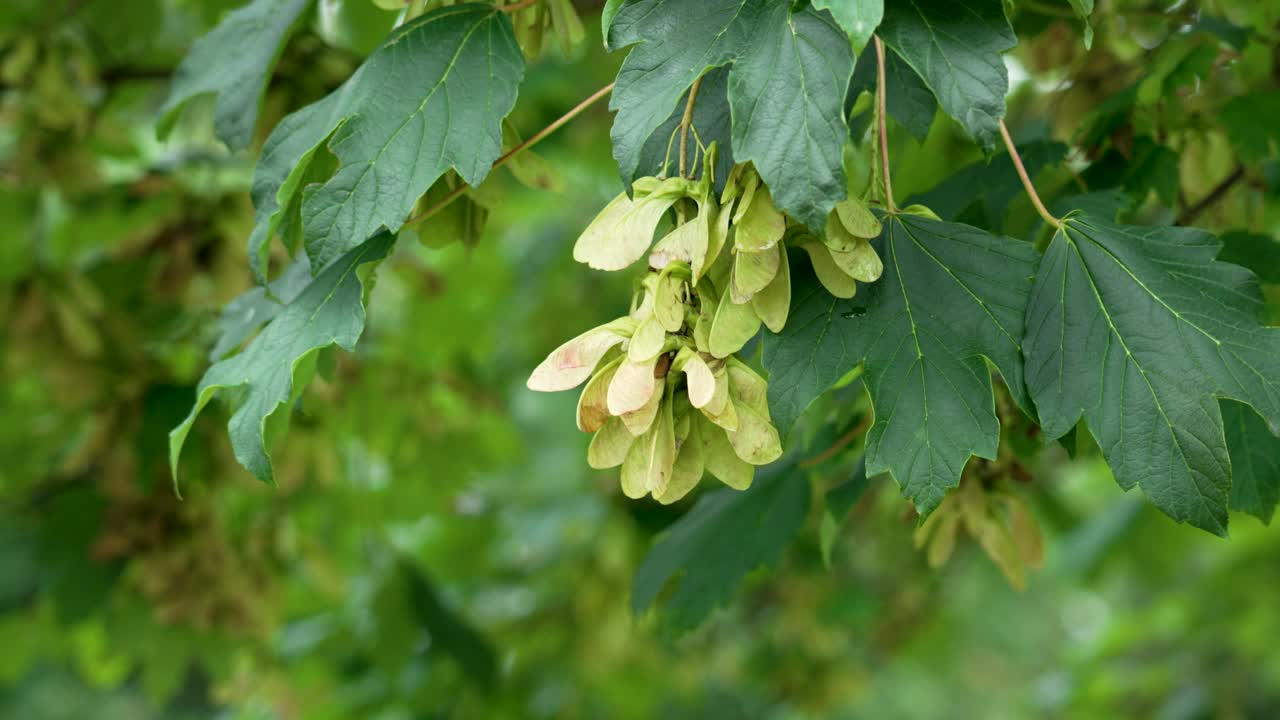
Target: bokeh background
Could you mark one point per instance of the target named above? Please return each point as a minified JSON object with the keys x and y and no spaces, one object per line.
{"x":437,"y":545}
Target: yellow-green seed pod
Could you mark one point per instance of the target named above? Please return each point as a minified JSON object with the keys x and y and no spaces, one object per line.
{"x":623,"y":230}
{"x":647,"y":341}
{"x":631,"y":386}
{"x":719,"y":457}
{"x":638,"y":421}
{"x":647,"y":467}
{"x":732,"y":327}
{"x":829,"y":274}
{"x":860,"y":263}
{"x":609,"y":445}
{"x":753,"y":271}
{"x":593,"y":403}
{"x":572,"y":363}
{"x":856,"y":218}
{"x":774,"y":302}
{"x":760,"y":225}
{"x":689,"y":464}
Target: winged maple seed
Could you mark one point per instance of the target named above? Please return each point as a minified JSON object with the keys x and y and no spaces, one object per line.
{"x":661,"y":406}
{"x":667,"y":399}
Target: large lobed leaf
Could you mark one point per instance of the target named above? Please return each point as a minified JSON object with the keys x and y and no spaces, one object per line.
{"x":790,"y":70}
{"x":951,"y":298}
{"x":858,"y":18}
{"x":1255,"y":461}
{"x":1140,"y":331}
{"x":432,"y":97}
{"x":330,"y":311}
{"x":786,"y":93}
{"x":956,"y":46}
{"x":814,"y":349}
{"x":232,"y":62}
{"x":726,"y":535}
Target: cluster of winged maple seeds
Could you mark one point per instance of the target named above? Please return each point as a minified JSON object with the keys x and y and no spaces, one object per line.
{"x":665,"y":395}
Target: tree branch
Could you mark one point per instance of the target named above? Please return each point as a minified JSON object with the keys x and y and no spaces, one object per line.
{"x":1217,"y":193}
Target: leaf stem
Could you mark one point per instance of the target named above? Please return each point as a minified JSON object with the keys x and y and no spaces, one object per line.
{"x":1026,"y":179}
{"x":686,"y":121}
{"x":880,"y":126}
{"x":520,"y":5}
{"x":528,"y":143}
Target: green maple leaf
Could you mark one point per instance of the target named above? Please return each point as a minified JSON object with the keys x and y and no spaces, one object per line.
{"x":790,"y":71}
{"x":330,"y":311}
{"x":675,"y":42}
{"x":726,"y":535}
{"x":1255,"y":461}
{"x":858,"y":18}
{"x":1140,"y":331}
{"x":259,"y":305}
{"x":710,"y":118}
{"x":1251,"y":137}
{"x":951,"y":298}
{"x":786,"y":93}
{"x":956,"y":46}
{"x":233,"y":62}
{"x":432,"y":97}
{"x":814,"y":349}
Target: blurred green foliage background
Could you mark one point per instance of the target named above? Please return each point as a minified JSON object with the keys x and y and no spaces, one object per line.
{"x":437,"y":546}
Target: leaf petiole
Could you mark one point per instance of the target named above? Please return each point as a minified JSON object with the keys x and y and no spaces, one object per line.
{"x":1026,"y":179}
{"x":880,"y":126}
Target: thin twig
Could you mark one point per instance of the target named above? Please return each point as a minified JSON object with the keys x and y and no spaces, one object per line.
{"x":841,"y":443}
{"x":880,"y":124}
{"x":533,"y":140}
{"x":1217,"y":193}
{"x":1026,"y":179}
{"x":686,"y":121}
{"x":522,"y":4}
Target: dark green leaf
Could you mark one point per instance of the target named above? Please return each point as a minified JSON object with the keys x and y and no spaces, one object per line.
{"x":814,"y":349}
{"x":951,"y":295}
{"x":1255,"y":461}
{"x":710,"y":118}
{"x":956,"y":46}
{"x":330,"y":311}
{"x":1259,"y":253}
{"x":909,"y":101}
{"x":1140,"y":331}
{"x":787,"y":92}
{"x":257,"y":306}
{"x":727,"y":534}
{"x":786,"y":88}
{"x":450,"y":633}
{"x":676,"y":41}
{"x":839,"y":501}
{"x":858,"y":18}
{"x":431,"y":98}
{"x":233,"y":62}
{"x":1243,"y":118}
{"x":841,"y":498}
{"x":1225,"y":30}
